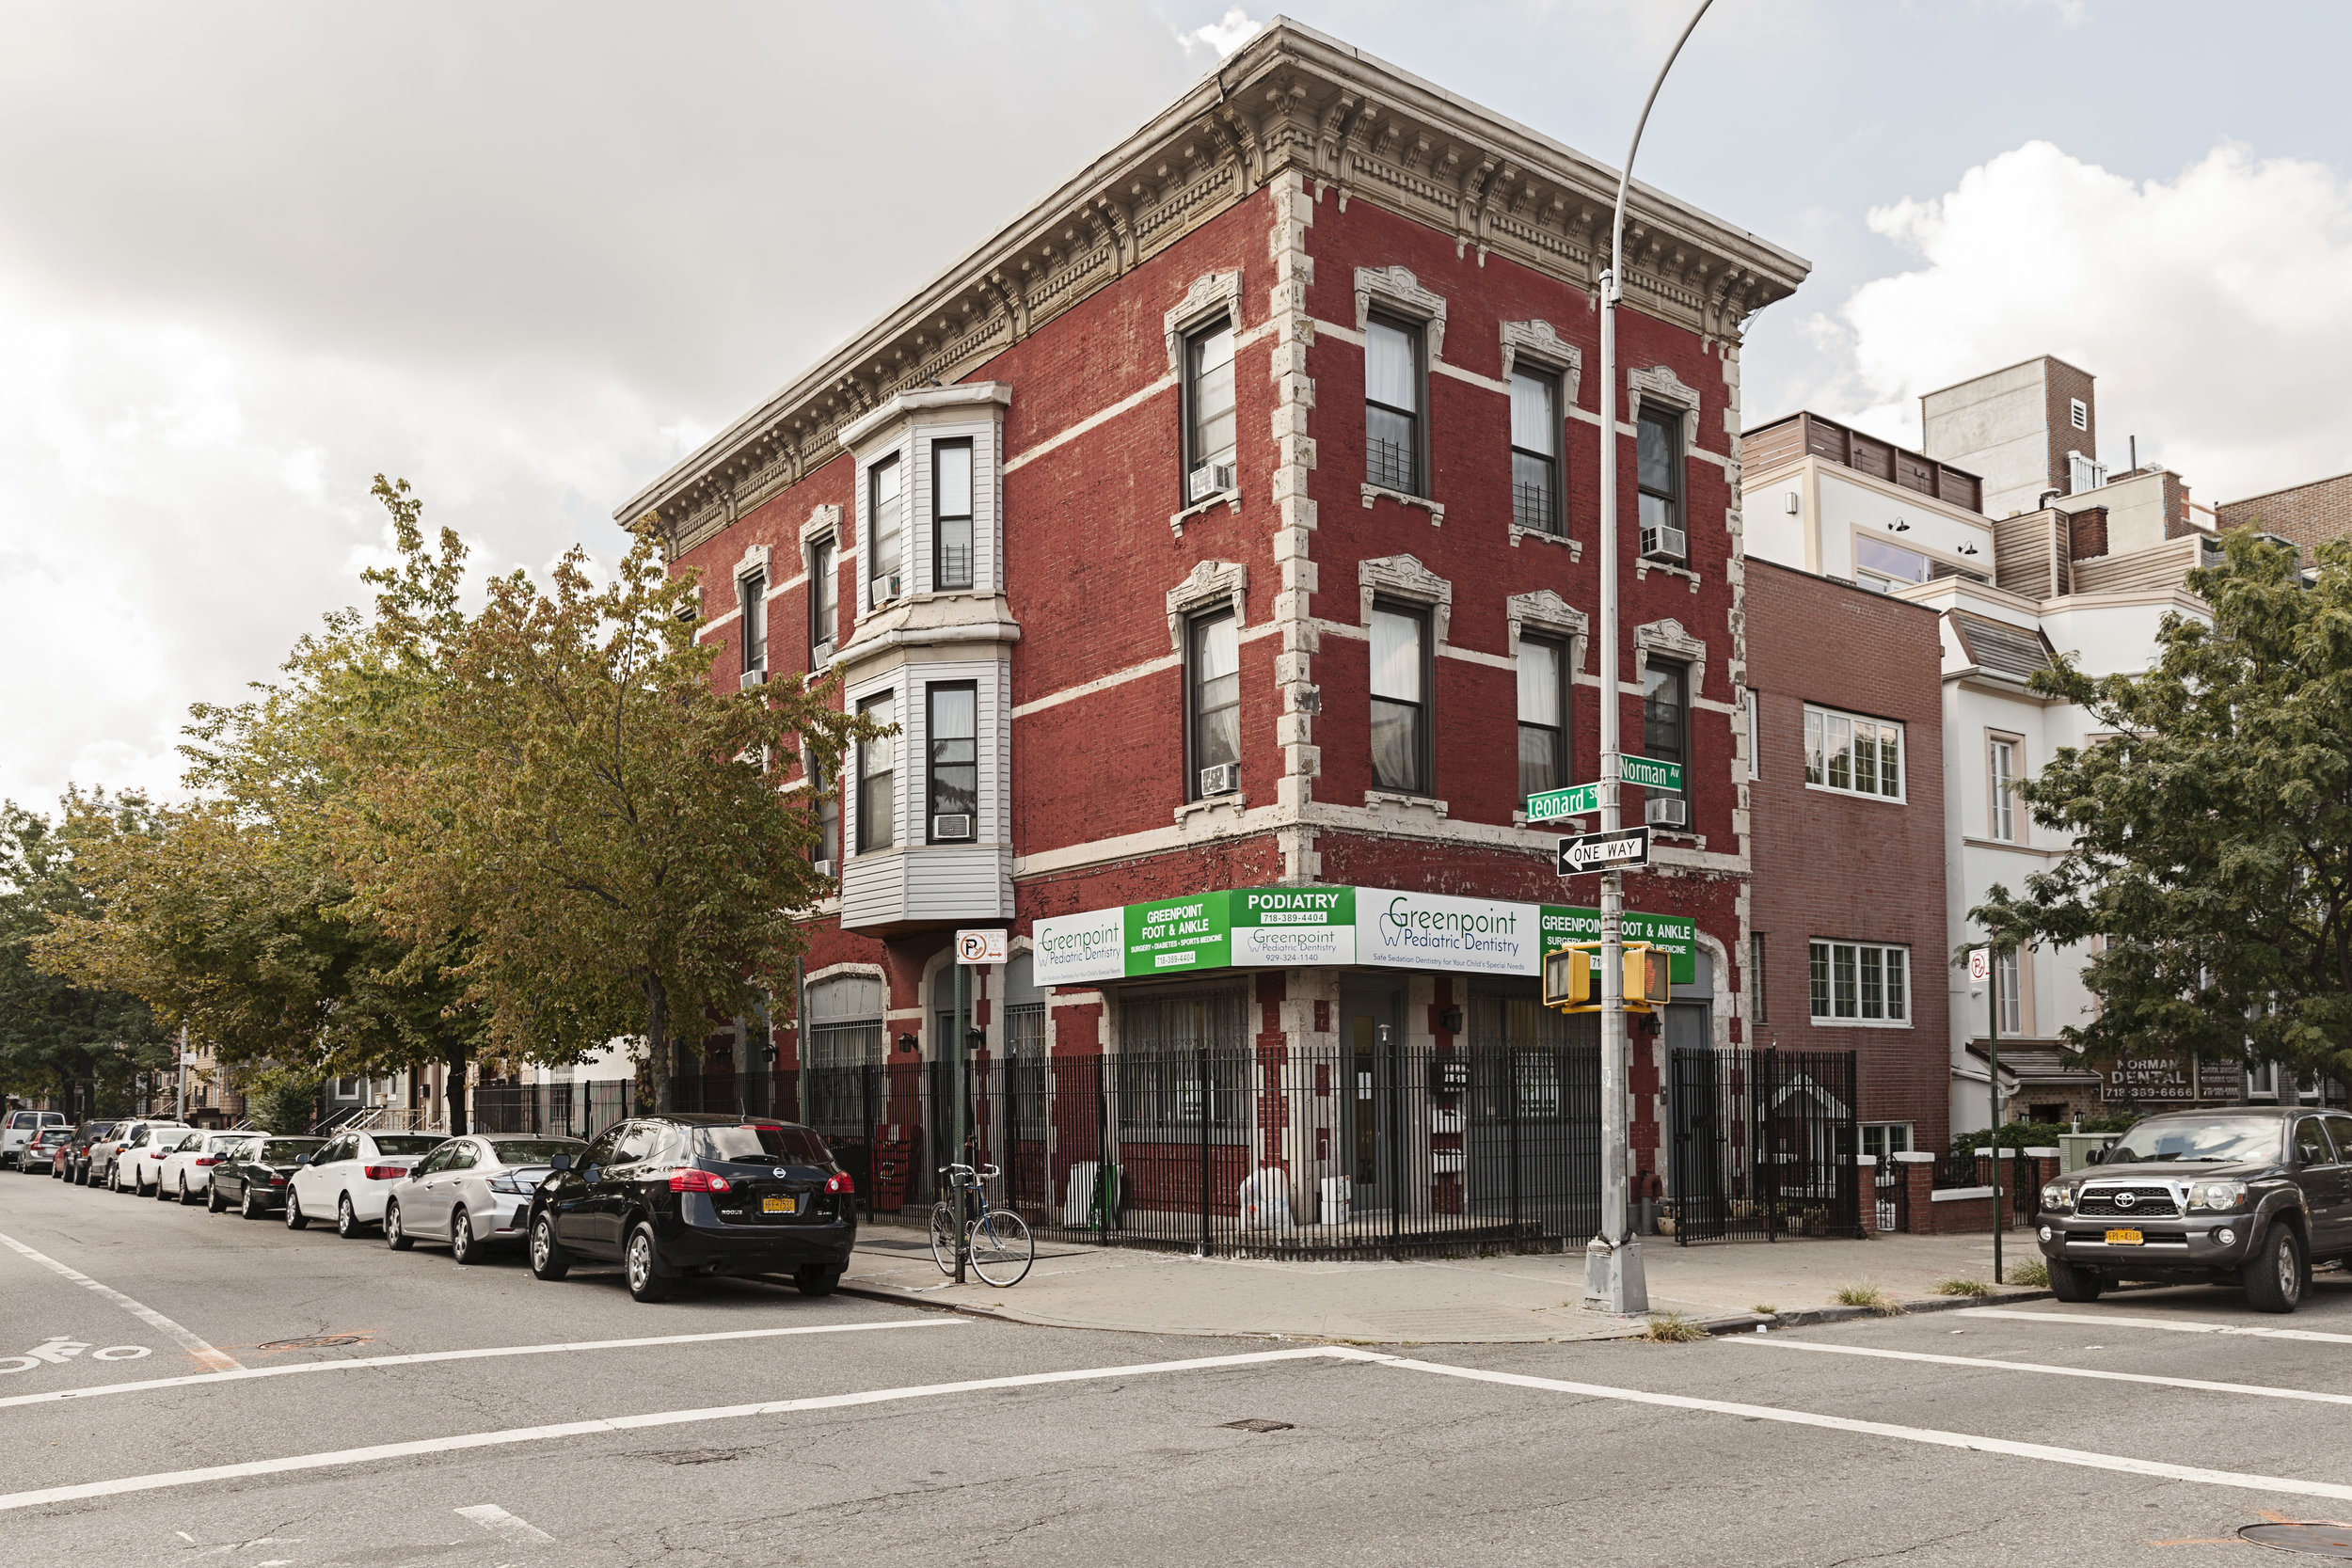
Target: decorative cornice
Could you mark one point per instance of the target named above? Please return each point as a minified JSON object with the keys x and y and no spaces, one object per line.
{"x":1290,"y":98}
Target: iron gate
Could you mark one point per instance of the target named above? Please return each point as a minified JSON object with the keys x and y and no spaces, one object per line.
{"x":1764,"y":1145}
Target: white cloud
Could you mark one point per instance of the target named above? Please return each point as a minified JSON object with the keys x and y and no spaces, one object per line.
{"x":1225,"y":35}
{"x":2215,"y":307}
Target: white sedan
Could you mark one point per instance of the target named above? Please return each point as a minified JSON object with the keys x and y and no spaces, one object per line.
{"x":187,"y":1170}
{"x":352,"y":1175}
{"x":473,"y":1191}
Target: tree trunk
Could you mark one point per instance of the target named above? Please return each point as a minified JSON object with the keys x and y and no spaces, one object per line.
{"x":657,"y":1040}
{"x":455,"y":1088}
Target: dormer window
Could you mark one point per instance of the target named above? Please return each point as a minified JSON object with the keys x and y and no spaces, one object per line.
{"x":886,"y":569}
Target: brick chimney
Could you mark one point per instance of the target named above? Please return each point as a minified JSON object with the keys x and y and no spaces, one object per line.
{"x":2086,"y":533}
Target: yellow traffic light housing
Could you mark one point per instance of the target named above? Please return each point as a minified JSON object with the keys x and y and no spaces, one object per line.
{"x":1569,"y":974}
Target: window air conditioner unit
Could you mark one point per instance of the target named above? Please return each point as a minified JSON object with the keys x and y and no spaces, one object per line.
{"x":823,"y":868}
{"x":1210,"y":479}
{"x":1223,"y":778}
{"x":1660,"y":543}
{"x":958,"y":826}
{"x":754,"y":677}
{"x":1668,"y":812}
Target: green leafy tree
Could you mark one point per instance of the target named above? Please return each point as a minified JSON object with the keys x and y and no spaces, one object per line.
{"x":554,"y":785}
{"x":2212,"y":825}
{"x":76,"y":1043}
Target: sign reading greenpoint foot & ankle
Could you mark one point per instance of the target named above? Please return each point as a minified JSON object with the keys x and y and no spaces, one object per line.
{"x":1431,"y":930}
{"x":1291,"y":927}
{"x":1178,"y":934}
{"x":1675,"y":933}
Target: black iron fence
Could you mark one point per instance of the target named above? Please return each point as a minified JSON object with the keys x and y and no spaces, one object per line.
{"x":1236,"y":1150}
{"x":575,"y":1110}
{"x":1764,"y":1145}
{"x":1890,"y":1190}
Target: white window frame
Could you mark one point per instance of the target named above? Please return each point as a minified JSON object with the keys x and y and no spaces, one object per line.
{"x":1818,"y":722}
{"x":1879,"y":1132}
{"x":2000,"y":788}
{"x":1856,"y":952}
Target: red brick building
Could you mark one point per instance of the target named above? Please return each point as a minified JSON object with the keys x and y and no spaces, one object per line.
{"x":1228,"y":522}
{"x":1846,"y":941}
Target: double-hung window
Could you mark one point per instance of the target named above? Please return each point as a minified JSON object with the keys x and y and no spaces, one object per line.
{"x":1535,"y":501}
{"x":828,"y":847}
{"x":1209,"y":412}
{"x":951,"y":515}
{"x":1861,"y":982}
{"x":753,"y":586}
{"x":1658,"y":470}
{"x":877,"y":763}
{"x":823,"y":605}
{"x":1393,"y":407}
{"x":1543,"y":714}
{"x":887,"y":523}
{"x":2000,"y":765}
{"x":1852,"y":755}
{"x":954,"y":738}
{"x":1213,"y":698}
{"x":1666,"y":724}
{"x":1400,"y":699}
{"x":2010,"y":975}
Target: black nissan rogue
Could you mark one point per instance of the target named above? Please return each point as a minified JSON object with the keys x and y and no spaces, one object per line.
{"x":2248,"y":1195}
{"x":671,"y":1195}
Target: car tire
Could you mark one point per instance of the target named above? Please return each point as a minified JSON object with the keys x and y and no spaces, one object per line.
{"x":114,"y":1176}
{"x":463,"y":1248}
{"x":212,"y":1204}
{"x":2275,"y":1277}
{"x":395,"y":1234}
{"x":295,"y":1218}
{"x":247,"y":1208}
{"x":347,"y":1224}
{"x":548,"y":1260}
{"x":641,"y":1261}
{"x":816,"y":1281}
{"x":2069,"y":1283}
{"x":186,"y":1196}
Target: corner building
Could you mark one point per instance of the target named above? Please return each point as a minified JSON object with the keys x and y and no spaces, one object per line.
{"x":1227,"y":523}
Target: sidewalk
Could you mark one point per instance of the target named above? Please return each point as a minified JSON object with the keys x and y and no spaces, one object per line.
{"x":1518,"y":1299}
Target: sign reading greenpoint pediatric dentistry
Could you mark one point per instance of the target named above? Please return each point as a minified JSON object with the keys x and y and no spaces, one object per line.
{"x":1296,"y":928}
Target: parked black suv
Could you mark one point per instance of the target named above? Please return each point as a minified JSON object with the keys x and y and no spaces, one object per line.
{"x":2246,"y":1196}
{"x":252,"y":1179}
{"x":671,"y":1196}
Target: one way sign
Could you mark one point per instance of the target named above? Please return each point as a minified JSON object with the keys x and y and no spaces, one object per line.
{"x":1626,"y":849}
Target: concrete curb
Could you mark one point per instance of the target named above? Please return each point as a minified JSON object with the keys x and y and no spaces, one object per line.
{"x":1808,"y":1317}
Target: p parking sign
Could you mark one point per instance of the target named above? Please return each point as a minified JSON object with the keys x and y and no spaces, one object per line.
{"x":980,"y":947}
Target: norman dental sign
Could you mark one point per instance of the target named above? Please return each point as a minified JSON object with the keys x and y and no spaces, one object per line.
{"x":1298,"y":928}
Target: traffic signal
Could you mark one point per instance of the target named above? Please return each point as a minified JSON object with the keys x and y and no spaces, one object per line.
{"x":1569,"y":974}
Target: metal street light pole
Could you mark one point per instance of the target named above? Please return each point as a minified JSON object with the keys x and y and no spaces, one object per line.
{"x":1613,"y":1280}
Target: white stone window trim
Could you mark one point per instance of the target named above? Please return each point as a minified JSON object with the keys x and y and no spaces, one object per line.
{"x":1212,"y":294}
{"x":1545,"y":612}
{"x":821,"y":521}
{"x":1659,"y":386}
{"x":755,"y":558}
{"x":1574,"y":547}
{"x":1644,"y":566}
{"x":1403,"y":577}
{"x":1394,"y":289}
{"x":1210,"y":585}
{"x":1667,"y":639}
{"x":1228,"y":498}
{"x":1435,"y":508}
{"x":1546,"y":350}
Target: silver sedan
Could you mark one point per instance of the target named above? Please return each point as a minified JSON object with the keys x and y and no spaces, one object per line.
{"x":473,"y":1191}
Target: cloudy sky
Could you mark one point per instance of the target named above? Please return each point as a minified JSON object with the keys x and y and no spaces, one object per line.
{"x":528,"y":254}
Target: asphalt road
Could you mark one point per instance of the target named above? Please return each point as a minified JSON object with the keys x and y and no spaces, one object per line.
{"x":845,"y":1438}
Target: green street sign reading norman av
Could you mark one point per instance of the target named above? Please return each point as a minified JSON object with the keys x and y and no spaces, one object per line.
{"x":1649,"y":774}
{"x":1552,"y":805}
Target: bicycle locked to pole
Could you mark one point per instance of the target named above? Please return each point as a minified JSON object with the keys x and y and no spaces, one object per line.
{"x":995,"y":1241}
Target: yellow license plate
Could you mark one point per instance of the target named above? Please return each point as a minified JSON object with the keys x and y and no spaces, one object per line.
{"x":792,"y":1206}
{"x":2126,"y":1238}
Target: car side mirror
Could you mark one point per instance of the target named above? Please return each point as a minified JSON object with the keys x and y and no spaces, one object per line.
{"x":559,"y":1162}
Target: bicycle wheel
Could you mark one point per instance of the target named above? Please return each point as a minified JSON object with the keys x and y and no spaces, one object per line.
{"x":943,"y":1236}
{"x":1001,"y":1248}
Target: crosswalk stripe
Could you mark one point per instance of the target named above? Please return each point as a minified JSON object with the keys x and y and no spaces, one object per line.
{"x":2171,"y":1325}
{"x":1758,"y":1341}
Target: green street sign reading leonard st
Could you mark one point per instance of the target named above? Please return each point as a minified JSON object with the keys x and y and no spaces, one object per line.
{"x":1550,"y":805}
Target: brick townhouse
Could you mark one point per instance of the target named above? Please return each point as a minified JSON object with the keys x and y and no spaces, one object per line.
{"x":1227,"y":524}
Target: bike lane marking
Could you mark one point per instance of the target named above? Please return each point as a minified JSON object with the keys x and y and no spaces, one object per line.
{"x":416,"y":1358}
{"x":2047,"y":1454}
{"x":203,"y":1353}
{"x":2167,"y":1324}
{"x":2268,"y":1392}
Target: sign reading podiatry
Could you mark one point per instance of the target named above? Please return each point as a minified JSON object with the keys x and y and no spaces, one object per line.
{"x":1623,"y":849}
{"x":1180,"y":933}
{"x":1554,"y":805}
{"x":980,"y":947}
{"x":1072,"y":949}
{"x":1675,"y":935}
{"x":1430,"y":930}
{"x":1291,"y":927}
{"x":1649,"y":774}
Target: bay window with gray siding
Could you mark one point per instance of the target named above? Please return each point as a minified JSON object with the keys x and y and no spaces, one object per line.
{"x":953,"y":736}
{"x":876,"y":765}
{"x":886,"y":512}
{"x":951,"y":515}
